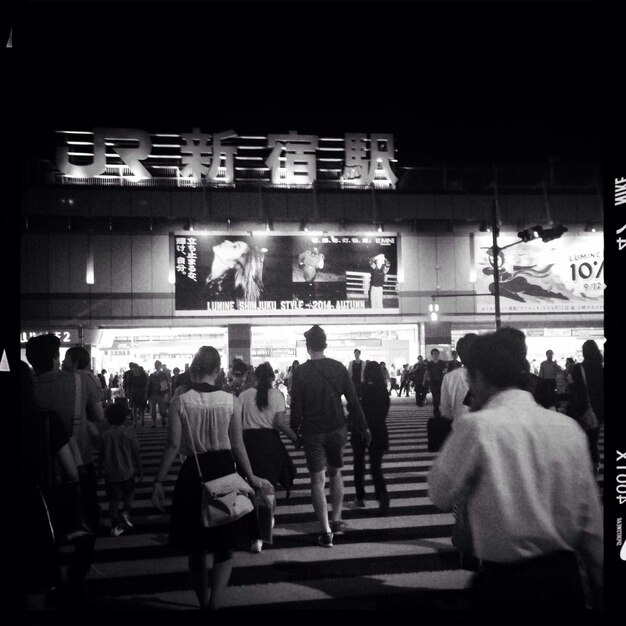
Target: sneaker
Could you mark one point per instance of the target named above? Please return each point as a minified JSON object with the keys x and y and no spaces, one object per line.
{"x":116,"y":531}
{"x":325,"y":540}
{"x":339,"y":527}
{"x":356,"y":504}
{"x":256,"y":546}
{"x":126,"y":520}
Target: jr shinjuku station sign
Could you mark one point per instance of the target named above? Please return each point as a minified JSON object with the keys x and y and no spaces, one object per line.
{"x":132,"y":156}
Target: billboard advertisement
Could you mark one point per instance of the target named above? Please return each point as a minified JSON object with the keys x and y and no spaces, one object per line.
{"x":561,"y":276}
{"x":285,"y":274}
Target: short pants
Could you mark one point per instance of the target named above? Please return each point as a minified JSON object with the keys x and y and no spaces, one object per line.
{"x":120,"y":491}
{"x":325,"y":449}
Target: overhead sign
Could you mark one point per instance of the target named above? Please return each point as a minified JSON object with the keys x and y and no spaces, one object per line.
{"x":68,"y":336}
{"x":269,"y":274}
{"x":131,"y":156}
{"x":562,"y":276}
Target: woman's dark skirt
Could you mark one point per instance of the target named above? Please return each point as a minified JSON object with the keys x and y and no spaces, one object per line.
{"x":186,"y":530}
{"x":269,"y":458}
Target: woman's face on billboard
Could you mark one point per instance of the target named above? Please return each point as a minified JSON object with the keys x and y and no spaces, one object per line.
{"x":230,"y":252}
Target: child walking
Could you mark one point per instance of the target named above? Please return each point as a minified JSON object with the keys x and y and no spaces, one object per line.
{"x":119,"y":461}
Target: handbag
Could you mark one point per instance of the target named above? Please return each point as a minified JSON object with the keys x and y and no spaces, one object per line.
{"x":224,"y":499}
{"x":588,"y":420}
{"x":63,"y":504}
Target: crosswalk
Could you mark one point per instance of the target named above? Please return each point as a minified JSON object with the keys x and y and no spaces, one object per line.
{"x":401,"y":560}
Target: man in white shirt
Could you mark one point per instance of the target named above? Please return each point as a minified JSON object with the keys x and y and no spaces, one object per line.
{"x":533,"y":502}
{"x":455,"y":384}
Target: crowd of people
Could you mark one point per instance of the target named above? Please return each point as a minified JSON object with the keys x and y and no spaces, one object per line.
{"x":518,"y":440}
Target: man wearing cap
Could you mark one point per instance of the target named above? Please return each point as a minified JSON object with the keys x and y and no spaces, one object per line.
{"x":318,"y":418}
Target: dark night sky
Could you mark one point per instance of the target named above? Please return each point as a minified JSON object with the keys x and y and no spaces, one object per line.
{"x":457,"y":83}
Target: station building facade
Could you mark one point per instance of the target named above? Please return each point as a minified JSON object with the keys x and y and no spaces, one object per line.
{"x":142,"y":246}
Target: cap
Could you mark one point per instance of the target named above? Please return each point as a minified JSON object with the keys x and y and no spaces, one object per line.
{"x":316,"y":337}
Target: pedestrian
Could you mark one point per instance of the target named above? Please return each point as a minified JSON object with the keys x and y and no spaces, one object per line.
{"x":263,"y":409}
{"x":405,"y":381}
{"x":159,"y":392}
{"x":421,"y":384}
{"x":588,"y":389}
{"x":76,"y":401}
{"x":355,"y":369}
{"x":454,"y":362}
{"x":289,"y":380}
{"x":119,"y":462}
{"x":548,"y":371}
{"x":533,"y":505}
{"x":455,"y":385}
{"x":137,"y":385}
{"x":77,"y":360}
{"x":175,"y":375}
{"x":44,"y":442}
{"x":393,"y":380}
{"x":206,"y":426}
{"x":436,"y":369}
{"x":106,"y":394}
{"x":386,"y":375}
{"x":317,"y":416}
{"x":375,"y":403}
{"x":236,"y":377}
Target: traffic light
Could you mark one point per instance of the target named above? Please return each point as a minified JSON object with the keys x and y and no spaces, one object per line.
{"x":546,"y":234}
{"x":528,"y":234}
{"x":549,"y":234}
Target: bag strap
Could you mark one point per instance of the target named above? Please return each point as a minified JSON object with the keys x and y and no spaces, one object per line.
{"x":77,"y":398}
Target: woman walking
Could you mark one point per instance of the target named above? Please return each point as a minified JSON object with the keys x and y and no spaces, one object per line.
{"x":588,"y":388}
{"x":375,"y":403}
{"x":263,"y":410}
{"x":206,"y":420}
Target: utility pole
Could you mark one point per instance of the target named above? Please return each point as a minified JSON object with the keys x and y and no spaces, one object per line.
{"x":496,"y":269}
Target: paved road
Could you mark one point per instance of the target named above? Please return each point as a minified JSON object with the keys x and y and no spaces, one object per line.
{"x":399,"y":561}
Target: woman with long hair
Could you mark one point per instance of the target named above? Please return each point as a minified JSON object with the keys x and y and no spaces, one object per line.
{"x":375,"y":403}
{"x":206,"y":420}
{"x":236,"y":272}
{"x":591,"y":386}
{"x":263,"y":419}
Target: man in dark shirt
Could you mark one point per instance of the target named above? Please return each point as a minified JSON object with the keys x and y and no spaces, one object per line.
{"x":421,"y":386}
{"x":436,"y":369}
{"x":317,"y":416}
{"x":356,"y":369}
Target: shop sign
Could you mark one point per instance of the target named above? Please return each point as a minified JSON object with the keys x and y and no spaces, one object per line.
{"x":288,"y":275}
{"x":588,"y":332}
{"x":131,"y":155}
{"x":562,"y":276}
{"x":283,"y":352}
{"x":260,"y":352}
{"x":557,"y":332}
{"x":67,"y":335}
{"x":534,"y":332}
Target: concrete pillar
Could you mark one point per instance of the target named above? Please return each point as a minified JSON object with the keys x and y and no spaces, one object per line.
{"x":438,"y":335}
{"x":239,"y":340}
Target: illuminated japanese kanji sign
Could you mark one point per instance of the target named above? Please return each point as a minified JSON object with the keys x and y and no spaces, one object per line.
{"x":131,"y":156}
